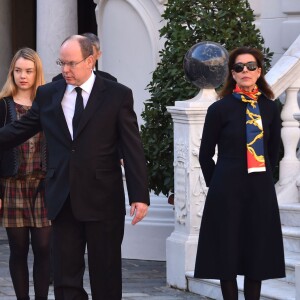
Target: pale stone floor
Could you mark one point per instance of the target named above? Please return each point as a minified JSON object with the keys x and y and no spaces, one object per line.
{"x":141,"y":279}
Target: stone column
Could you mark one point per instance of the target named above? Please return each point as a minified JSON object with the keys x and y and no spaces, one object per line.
{"x":56,"y":20}
{"x":136,"y":27}
{"x":190,"y":189}
{"x":5,"y":39}
{"x":289,"y":166}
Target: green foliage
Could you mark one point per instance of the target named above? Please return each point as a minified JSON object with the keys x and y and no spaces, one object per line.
{"x":229,"y":23}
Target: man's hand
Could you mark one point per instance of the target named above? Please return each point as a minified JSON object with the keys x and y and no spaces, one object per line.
{"x":0,"y":204}
{"x":139,"y":211}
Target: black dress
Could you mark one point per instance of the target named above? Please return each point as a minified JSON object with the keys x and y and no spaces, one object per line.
{"x":240,"y":232}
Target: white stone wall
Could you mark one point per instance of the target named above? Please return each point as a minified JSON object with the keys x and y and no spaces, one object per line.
{"x":279,"y":23}
{"x":130,"y":43}
{"x":129,"y":36}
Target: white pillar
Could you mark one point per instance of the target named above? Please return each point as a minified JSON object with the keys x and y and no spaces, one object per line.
{"x":56,"y":20}
{"x":147,"y":239}
{"x":190,"y":189}
{"x":5,"y":39}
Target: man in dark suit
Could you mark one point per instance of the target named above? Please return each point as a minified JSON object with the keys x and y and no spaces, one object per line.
{"x":96,"y":54}
{"x":84,"y":187}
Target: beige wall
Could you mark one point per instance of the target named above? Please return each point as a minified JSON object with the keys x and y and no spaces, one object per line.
{"x":5,"y":39}
{"x":279,"y":22}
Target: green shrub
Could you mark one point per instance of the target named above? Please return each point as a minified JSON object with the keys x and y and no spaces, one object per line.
{"x":229,"y":23}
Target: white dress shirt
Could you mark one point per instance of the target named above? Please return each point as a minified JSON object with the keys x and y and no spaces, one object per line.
{"x":69,"y":99}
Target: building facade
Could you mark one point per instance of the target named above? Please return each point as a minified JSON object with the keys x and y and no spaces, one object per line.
{"x":130,"y":42}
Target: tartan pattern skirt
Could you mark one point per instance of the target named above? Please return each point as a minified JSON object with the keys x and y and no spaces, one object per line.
{"x":23,"y":203}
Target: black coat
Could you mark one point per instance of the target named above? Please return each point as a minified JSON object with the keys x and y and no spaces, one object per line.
{"x":240,"y":231}
{"x":9,"y":159}
{"x":88,"y":167}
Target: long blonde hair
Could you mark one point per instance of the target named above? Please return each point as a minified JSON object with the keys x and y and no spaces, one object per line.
{"x":10,"y":88}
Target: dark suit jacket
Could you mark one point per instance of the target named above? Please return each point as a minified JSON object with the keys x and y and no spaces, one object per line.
{"x":97,"y":72}
{"x":103,"y":75}
{"x":87,"y":168}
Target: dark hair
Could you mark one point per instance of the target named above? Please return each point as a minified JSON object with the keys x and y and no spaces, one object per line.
{"x":86,"y":46}
{"x":93,"y":38}
{"x":230,"y":83}
{"x":84,"y":43}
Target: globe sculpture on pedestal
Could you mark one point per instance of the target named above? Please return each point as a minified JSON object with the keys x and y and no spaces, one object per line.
{"x":206,"y":65}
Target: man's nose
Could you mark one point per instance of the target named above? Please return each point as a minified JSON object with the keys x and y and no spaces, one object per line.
{"x":65,"y":68}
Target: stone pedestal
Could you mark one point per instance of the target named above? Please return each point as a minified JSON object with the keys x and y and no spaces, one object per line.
{"x":147,"y":239}
{"x":190,"y":189}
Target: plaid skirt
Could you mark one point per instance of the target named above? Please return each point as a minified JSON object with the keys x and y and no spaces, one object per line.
{"x":23,"y":203}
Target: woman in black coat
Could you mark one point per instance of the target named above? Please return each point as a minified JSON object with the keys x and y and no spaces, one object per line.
{"x":240,"y":231}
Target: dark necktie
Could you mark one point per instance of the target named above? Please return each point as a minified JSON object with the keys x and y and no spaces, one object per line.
{"x":78,"y":110}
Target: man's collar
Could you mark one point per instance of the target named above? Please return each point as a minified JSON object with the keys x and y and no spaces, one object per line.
{"x":86,"y":86}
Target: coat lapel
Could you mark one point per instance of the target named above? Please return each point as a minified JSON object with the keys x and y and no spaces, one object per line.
{"x":95,"y":100}
{"x":56,"y":99}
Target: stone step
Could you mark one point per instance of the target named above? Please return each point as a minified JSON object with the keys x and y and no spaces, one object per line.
{"x":291,"y":238}
{"x":291,"y":260}
{"x":290,"y":214}
{"x":157,"y":227}
{"x":273,"y":289}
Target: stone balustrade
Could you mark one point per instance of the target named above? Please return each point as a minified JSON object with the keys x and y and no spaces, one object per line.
{"x":284,"y":78}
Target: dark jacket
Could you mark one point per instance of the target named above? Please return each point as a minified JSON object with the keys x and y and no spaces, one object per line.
{"x":103,"y":75}
{"x":9,"y":159}
{"x":240,"y":229}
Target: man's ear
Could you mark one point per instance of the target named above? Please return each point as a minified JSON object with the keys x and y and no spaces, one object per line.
{"x":99,"y":53}
{"x":90,"y":61}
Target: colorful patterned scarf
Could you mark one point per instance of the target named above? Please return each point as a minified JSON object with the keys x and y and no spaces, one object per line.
{"x":254,"y":129}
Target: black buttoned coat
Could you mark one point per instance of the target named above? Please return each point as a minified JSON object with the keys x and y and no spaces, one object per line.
{"x":240,"y":232}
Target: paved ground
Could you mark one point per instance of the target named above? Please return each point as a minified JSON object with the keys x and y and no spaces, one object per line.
{"x":142,"y":280}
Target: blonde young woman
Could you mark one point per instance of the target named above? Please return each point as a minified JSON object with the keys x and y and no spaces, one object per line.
{"x":22,"y":171}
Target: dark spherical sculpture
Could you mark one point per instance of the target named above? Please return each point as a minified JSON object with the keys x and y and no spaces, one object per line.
{"x":205,"y":65}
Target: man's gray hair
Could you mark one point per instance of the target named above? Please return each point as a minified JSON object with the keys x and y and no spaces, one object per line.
{"x":93,"y":39}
